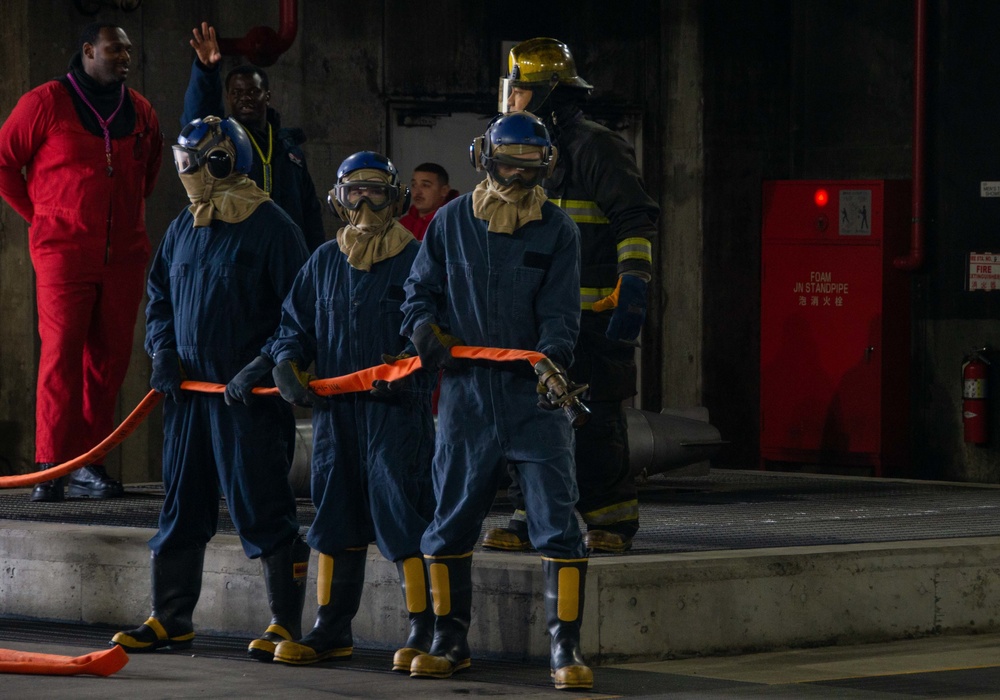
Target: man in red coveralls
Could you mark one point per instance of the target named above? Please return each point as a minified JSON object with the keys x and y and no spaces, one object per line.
{"x":90,"y":150}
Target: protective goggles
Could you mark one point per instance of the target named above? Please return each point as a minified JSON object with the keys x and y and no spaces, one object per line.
{"x":378,"y":195}
{"x":507,"y":170}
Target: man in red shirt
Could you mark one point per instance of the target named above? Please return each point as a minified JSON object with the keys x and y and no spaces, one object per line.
{"x":429,"y":189}
{"x":90,"y":149}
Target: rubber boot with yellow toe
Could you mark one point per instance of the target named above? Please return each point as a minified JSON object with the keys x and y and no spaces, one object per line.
{"x":416,"y":596}
{"x":451,"y":593}
{"x":176,"y":587}
{"x":285,"y":579}
{"x":340,"y":581}
{"x":564,"y":582}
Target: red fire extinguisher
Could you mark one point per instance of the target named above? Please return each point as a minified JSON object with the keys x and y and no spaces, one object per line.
{"x":974,"y":368}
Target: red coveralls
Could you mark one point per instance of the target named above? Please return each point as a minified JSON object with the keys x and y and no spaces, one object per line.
{"x":89,"y":248}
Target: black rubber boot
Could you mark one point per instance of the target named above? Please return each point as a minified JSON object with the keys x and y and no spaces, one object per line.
{"x":176,"y":579}
{"x":285,"y":578}
{"x":513,"y":538}
{"x":451,"y":593}
{"x":416,"y":596}
{"x":339,"y":584}
{"x":93,"y":481}
{"x":564,"y":583}
{"x":47,"y":491}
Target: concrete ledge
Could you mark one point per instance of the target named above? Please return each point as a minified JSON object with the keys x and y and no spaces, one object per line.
{"x":639,"y":608}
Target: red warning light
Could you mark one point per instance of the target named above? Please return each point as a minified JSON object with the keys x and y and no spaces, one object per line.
{"x":821,"y":197}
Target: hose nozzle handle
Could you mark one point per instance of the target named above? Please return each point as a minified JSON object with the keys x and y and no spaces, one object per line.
{"x":561,"y":392}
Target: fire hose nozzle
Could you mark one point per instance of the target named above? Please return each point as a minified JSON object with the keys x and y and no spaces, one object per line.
{"x":561,"y":392}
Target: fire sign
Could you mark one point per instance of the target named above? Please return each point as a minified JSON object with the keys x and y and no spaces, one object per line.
{"x":984,"y":272}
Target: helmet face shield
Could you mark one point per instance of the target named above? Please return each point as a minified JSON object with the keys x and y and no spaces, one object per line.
{"x":378,"y":195}
{"x":519,"y":96}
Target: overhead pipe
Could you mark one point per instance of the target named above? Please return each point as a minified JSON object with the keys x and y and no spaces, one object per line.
{"x":915,"y":258}
{"x":262,"y":45}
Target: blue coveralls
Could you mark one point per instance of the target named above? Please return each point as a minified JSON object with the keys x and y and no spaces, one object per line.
{"x":292,"y":187}
{"x":371,"y":457}
{"x":506,"y":291}
{"x":215,"y":296}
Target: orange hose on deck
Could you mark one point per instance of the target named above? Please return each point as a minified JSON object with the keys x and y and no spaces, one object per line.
{"x":99,"y":663}
{"x":356,"y":381}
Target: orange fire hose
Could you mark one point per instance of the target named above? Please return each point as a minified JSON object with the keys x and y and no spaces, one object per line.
{"x":356,"y":381}
{"x":99,"y":663}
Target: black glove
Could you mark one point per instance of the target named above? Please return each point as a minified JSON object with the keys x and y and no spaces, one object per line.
{"x":384,"y":389}
{"x":543,"y":401}
{"x":292,"y":383}
{"x":629,"y":304}
{"x":433,"y":346}
{"x":168,"y":374}
{"x":240,"y":388}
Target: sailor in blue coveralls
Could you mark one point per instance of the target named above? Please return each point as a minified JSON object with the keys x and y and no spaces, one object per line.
{"x":371,"y":451}
{"x":499,"y":267}
{"x":215,"y":290}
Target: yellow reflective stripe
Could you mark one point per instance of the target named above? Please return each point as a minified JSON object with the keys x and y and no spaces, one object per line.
{"x":581,"y":211}
{"x":568,"y":594}
{"x":324,"y":579}
{"x":619,"y":512}
{"x":635,"y":249}
{"x":440,"y":588}
{"x":433,"y":557}
{"x":590,"y":295}
{"x":416,"y":585}
{"x":565,"y":561}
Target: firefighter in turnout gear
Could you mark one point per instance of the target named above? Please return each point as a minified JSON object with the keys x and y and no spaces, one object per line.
{"x":596,"y":182}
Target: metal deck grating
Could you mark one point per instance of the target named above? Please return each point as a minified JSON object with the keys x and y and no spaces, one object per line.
{"x":720,"y":511}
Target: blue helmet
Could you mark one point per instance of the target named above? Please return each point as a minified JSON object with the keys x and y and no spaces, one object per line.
{"x":210,"y":132}
{"x":509,"y":136}
{"x":378,"y":194}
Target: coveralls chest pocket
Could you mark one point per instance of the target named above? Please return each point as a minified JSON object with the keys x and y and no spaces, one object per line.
{"x":234,"y":279}
{"x":178,"y":271}
{"x":526,"y":282}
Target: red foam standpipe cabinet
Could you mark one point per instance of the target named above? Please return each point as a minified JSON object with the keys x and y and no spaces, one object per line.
{"x":835,"y":324}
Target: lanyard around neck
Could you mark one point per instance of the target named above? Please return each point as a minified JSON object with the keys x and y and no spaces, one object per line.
{"x":103,"y":123}
{"x":265,"y":161}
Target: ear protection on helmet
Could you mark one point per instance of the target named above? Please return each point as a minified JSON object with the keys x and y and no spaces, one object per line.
{"x":219,"y":163}
{"x":403,"y":204}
